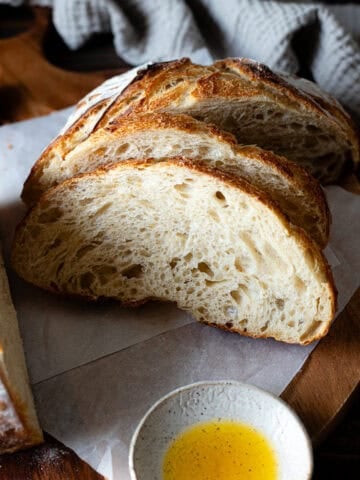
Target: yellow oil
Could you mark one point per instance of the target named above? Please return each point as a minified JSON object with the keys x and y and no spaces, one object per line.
{"x":220,"y":450}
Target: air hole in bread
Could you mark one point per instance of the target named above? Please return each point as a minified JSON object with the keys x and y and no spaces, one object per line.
{"x":102,"y":210}
{"x":264,"y":327}
{"x":203,"y":151}
{"x":183,"y":189}
{"x":237,"y":264}
{"x":214,"y":215}
{"x":243,"y":322}
{"x":229,"y":324}
{"x":291,"y":324}
{"x":296,"y":126}
{"x":86,"y":201}
{"x":259,"y":116}
{"x":204,"y":267}
{"x":56,"y":243}
{"x":84,"y":250}
{"x":236,"y":296}
{"x":51,"y":215}
{"x":99,"y":151}
{"x":188,"y":257}
{"x":105,"y":270}
{"x":59,"y":268}
{"x":280,"y":303}
{"x":277,"y":115}
{"x":86,"y":280}
{"x":133,"y":271}
{"x":146,"y":203}
{"x":213,"y":283}
{"x":122,"y":149}
{"x":174,"y":261}
{"x":220,"y":196}
{"x":313,"y":129}
{"x":219,"y":164}
{"x":105,"y":273}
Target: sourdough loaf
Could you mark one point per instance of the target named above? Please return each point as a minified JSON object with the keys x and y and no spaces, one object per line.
{"x":277,"y":112}
{"x":178,"y":231}
{"x":160,"y":135}
{"x":19,"y":427}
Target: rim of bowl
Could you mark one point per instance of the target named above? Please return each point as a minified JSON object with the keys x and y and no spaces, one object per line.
{"x":190,"y":386}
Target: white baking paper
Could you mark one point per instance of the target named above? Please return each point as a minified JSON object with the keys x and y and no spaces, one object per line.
{"x":96,"y":369}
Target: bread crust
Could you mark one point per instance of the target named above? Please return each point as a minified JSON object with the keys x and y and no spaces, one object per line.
{"x":59,"y":147}
{"x":208,"y":82}
{"x":148,"y":91}
{"x":16,"y":433}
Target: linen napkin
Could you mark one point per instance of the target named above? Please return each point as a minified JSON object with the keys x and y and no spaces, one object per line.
{"x":312,"y":39}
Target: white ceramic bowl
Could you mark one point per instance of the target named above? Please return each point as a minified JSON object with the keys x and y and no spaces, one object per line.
{"x":226,"y":400}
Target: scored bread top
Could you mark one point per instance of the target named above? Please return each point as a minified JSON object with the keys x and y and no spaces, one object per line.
{"x":162,"y":135}
{"x":278,"y":112}
{"x":179,"y":231}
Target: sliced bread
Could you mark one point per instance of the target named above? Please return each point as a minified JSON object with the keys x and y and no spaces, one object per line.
{"x":19,"y":427}
{"x":161,"y":135}
{"x":178,"y":231}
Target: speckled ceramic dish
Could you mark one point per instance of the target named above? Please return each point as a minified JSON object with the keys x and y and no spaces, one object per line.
{"x":225,"y":400}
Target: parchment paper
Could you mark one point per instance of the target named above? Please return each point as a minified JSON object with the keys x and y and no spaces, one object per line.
{"x":96,"y":369}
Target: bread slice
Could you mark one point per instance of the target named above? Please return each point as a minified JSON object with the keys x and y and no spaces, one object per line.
{"x":19,"y":427}
{"x":160,"y":135}
{"x":178,"y":231}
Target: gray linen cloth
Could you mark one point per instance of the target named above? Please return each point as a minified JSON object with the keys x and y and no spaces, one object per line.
{"x":312,"y":39}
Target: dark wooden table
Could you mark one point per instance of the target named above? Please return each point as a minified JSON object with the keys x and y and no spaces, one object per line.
{"x":337,"y":452}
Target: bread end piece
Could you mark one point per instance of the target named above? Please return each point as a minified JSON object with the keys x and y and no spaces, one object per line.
{"x":19,"y":426}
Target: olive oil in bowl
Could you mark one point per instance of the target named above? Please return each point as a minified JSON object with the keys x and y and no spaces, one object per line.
{"x":220,"y":430}
{"x":220,"y":450}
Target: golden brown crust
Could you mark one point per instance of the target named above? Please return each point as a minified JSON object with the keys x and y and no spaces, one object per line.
{"x":130,"y":123}
{"x":295,"y":89}
{"x":169,"y":83}
{"x":20,"y":435}
{"x":59,"y":146}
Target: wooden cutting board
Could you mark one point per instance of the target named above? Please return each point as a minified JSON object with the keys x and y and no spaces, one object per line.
{"x":30,"y":86}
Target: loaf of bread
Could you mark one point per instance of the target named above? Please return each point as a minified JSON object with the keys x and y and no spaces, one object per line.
{"x":181,"y":232}
{"x":277,"y":112}
{"x":19,"y":427}
{"x":160,"y":135}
